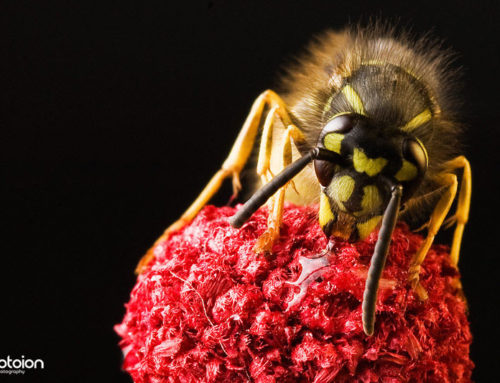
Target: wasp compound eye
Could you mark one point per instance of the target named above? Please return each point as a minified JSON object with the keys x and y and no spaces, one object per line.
{"x":324,"y":171}
{"x":340,"y":124}
{"x":414,"y":151}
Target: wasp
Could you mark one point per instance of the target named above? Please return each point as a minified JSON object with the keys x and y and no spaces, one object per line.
{"x":365,"y":125}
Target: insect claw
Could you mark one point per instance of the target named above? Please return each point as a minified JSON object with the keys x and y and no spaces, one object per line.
{"x":265,"y":242}
{"x":449,"y":222}
{"x":236,"y":185}
{"x":422,"y":228}
{"x":414,"y":279}
{"x":421,"y":292}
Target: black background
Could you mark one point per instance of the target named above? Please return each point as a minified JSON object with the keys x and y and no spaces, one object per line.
{"x":115,"y":114}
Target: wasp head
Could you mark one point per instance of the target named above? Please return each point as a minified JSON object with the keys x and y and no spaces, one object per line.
{"x":373,"y":157}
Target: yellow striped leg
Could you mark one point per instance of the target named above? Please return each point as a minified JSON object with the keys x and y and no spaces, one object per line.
{"x":461,"y":215}
{"x":266,"y":240}
{"x":438,"y":215}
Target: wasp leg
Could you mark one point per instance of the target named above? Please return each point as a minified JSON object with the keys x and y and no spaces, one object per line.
{"x":461,"y":215}
{"x":232,"y":166}
{"x":266,"y":240}
{"x":440,"y":211}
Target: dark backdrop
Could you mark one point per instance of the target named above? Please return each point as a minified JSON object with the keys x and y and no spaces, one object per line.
{"x":114,"y":115}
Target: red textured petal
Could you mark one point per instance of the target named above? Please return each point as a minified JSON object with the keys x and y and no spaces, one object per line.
{"x":211,"y":310}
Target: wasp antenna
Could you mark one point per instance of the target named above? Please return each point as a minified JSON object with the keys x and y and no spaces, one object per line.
{"x":264,"y":193}
{"x":379,"y":257}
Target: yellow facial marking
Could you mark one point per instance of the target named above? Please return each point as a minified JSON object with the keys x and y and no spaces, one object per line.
{"x":341,"y":189}
{"x":368,"y":165}
{"x":407,"y":172}
{"x":418,"y":120}
{"x":371,"y":200}
{"x":365,"y":228}
{"x":333,"y":141}
{"x":354,"y":100}
{"x":325,"y":211}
